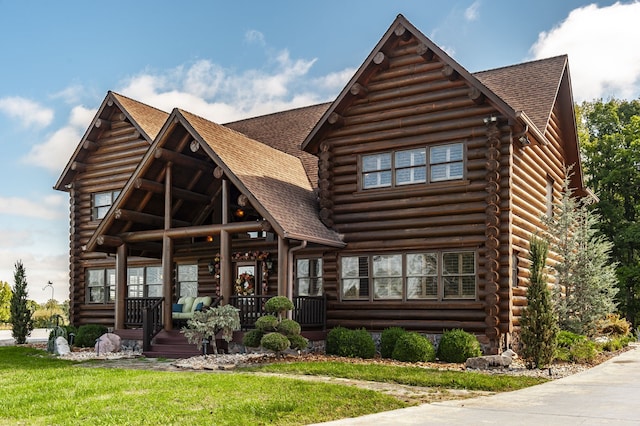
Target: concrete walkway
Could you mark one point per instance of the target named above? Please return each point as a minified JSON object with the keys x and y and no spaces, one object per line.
{"x":608,"y":394}
{"x":38,"y":335}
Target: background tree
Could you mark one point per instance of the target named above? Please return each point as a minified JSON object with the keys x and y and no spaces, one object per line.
{"x":610,"y":139}
{"x":585,"y":271}
{"x":20,"y":312}
{"x":5,"y":302}
{"x":538,"y":328}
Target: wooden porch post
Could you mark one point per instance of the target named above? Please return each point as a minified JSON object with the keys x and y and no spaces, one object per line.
{"x":121,"y":286}
{"x":167,"y":252}
{"x":226,"y":273}
{"x":283,"y":265}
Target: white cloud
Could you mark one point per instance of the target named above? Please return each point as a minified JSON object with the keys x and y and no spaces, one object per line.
{"x":39,"y":270}
{"x":54,"y":153}
{"x":224,"y":95}
{"x":47,"y":207}
{"x":254,"y":36}
{"x":472,"y":12}
{"x":335,"y":81}
{"x":28,"y":112}
{"x":600,"y":43}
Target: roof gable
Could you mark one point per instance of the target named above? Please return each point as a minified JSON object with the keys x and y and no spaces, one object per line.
{"x":146,"y":119}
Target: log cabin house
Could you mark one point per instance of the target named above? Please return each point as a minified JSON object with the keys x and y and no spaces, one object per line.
{"x":408,"y":201}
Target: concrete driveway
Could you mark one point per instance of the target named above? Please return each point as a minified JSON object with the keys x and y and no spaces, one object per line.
{"x":608,"y":394}
{"x":38,"y":335}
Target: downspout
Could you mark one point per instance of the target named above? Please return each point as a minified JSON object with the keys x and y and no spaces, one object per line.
{"x":290,"y":271}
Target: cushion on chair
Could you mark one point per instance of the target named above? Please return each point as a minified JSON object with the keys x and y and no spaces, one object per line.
{"x":198,"y":307}
{"x":187,"y":303}
{"x":176,"y":307}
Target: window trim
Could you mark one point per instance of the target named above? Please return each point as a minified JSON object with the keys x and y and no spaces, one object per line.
{"x":113,"y":194}
{"x":440,"y":276}
{"x":178,"y":282}
{"x":145,"y":282}
{"x":106,"y":287}
{"x":317,"y":276}
{"x":427,"y":168}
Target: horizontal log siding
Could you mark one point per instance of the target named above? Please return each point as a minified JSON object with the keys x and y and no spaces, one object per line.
{"x":531,"y":167}
{"x":119,"y":150}
{"x":411,"y":104}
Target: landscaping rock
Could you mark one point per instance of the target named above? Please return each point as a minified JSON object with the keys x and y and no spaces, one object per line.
{"x":61,"y":346}
{"x":491,"y":361}
{"x":108,"y":342}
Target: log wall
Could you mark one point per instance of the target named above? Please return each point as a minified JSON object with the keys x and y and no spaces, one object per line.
{"x":418,"y":102}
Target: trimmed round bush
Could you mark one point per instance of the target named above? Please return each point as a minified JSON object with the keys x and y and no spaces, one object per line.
{"x":458,"y":345}
{"x":412,"y":347}
{"x":87,"y":335}
{"x":351,"y":343}
{"x":275,"y":342}
{"x":388,"y":340}
{"x":289,"y":327}
{"x":267,"y":323}
{"x":583,"y":352}
{"x":252,"y":338}
{"x":278,"y":305}
{"x":298,"y":342}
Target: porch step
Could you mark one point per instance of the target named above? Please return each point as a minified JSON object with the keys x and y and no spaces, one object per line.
{"x":173,"y":345}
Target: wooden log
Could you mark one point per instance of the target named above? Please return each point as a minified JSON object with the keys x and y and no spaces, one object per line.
{"x":425,"y":325}
{"x":411,"y":223}
{"x":243,"y":200}
{"x":158,"y":188}
{"x":102,"y":124}
{"x":132,"y":153}
{"x":431,"y":243}
{"x":450,"y":73}
{"x":381,"y":60}
{"x":402,"y":32}
{"x":424,"y":51}
{"x":406,"y":312}
{"x":114,"y":140}
{"x":146,"y":218}
{"x":358,"y":90}
{"x":218,"y":172}
{"x":399,"y":69}
{"x":194,"y":231}
{"x":95,"y":175}
{"x":89,"y":145}
{"x":476,"y":96}
{"x":405,"y":210}
{"x":443,"y":231}
{"x":78,"y":167}
{"x":335,"y":119}
{"x":181,"y":159}
{"x":109,"y":240}
{"x":194,"y":146}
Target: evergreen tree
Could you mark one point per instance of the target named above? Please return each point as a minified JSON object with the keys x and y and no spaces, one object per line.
{"x":585,"y":276}
{"x":5,"y":301}
{"x":20,"y":312}
{"x":538,"y":324}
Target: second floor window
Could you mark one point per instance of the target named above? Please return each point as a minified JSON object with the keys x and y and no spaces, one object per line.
{"x":412,"y":166}
{"x":101,"y":203}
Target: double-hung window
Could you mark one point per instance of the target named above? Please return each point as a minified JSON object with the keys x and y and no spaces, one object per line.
{"x":309,"y":277}
{"x":413,"y":166}
{"x":409,"y":276}
{"x":101,"y":285}
{"x":101,"y":203}
{"x":187,"y":280}
{"x":145,"y":281}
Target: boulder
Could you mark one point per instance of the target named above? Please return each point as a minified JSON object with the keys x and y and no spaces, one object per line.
{"x":108,"y":342}
{"x":61,"y":346}
{"x":491,"y":361}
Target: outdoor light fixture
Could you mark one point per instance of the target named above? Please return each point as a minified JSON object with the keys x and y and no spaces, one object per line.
{"x":524,"y":140}
{"x":239,"y":213}
{"x":209,"y":238}
{"x":211,"y":267}
{"x":489,"y":120}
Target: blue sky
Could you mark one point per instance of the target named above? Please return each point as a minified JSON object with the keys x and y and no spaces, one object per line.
{"x":231,"y":60}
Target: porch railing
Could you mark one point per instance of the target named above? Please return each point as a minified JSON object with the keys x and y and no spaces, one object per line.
{"x":134,"y":309}
{"x":151,"y":323}
{"x":309,"y":311}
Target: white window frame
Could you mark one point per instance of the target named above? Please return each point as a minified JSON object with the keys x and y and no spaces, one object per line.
{"x":99,"y":211}
{"x":107,"y":285}
{"x":142,"y":288}
{"x":308,"y":279}
{"x":181,"y":287}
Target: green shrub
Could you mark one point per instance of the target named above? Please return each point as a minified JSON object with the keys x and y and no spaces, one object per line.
{"x":267,"y":323}
{"x":278,"y":305}
{"x":275,"y":342}
{"x":289,"y":327}
{"x":388,"y":340}
{"x":583,"y":352}
{"x":613,"y":325}
{"x":566,"y":339}
{"x":351,"y":343}
{"x":87,"y":335}
{"x":412,"y":347}
{"x":252,"y":338}
{"x":458,"y":345}
{"x":298,"y":342}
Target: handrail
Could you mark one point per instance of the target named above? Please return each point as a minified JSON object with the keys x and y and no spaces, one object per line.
{"x":151,"y":323}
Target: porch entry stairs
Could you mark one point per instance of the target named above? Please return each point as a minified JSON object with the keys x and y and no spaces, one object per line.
{"x":171,"y":344}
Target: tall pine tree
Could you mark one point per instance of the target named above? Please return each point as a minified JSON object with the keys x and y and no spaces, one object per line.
{"x":20,"y":312}
{"x":538,"y":328}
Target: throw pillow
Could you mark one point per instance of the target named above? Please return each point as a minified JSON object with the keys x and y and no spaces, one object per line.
{"x":199,"y":306}
{"x":177,"y":307}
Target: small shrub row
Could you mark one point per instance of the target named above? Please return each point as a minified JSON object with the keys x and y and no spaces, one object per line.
{"x":455,"y":346}
{"x":275,"y":332}
{"x":350,"y":343}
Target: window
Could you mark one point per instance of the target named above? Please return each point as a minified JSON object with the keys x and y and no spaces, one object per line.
{"x":101,"y":202}
{"x":355,"y":277}
{"x":187,"y":280}
{"x":446,"y":162}
{"x":411,"y":276}
{"x":145,"y":281}
{"x":309,"y":277}
{"x":408,"y":167}
{"x":101,"y":285}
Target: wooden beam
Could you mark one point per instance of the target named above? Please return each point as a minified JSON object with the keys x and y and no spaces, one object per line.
{"x":89,"y":145}
{"x":78,"y":167}
{"x":335,"y":119}
{"x":146,"y":218}
{"x":381,"y":60}
{"x":194,"y":231}
{"x":194,"y":146}
{"x":167,"y":195}
{"x":424,"y":51}
{"x":402,"y":32}
{"x":158,"y":188}
{"x":449,"y":73}
{"x":121,"y":286}
{"x":109,"y":241}
{"x":181,"y":159}
{"x":167,"y":281}
{"x":476,"y":96}
{"x":218,"y":172}
{"x":226,"y":274}
{"x":102,"y":124}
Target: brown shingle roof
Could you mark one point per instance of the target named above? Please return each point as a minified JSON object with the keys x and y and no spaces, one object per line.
{"x":149,"y":119}
{"x":531,"y":87}
{"x":275,"y":179}
{"x":285,"y":131}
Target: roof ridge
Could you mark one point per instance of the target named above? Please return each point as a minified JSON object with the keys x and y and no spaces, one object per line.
{"x":521,"y":64}
{"x":137,"y":101}
{"x":277,"y":112}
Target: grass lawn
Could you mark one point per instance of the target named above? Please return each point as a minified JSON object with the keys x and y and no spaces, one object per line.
{"x":40,"y":389}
